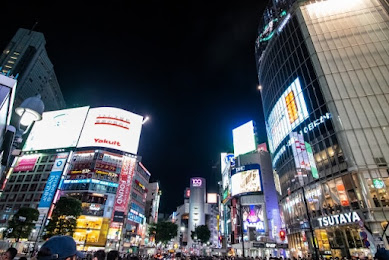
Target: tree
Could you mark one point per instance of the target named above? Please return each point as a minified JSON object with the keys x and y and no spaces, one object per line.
{"x":64,"y":218}
{"x":163,"y":231}
{"x":202,"y":233}
{"x":22,"y":223}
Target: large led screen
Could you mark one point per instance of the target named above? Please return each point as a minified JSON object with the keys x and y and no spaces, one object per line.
{"x":244,"y":139}
{"x":253,"y":217}
{"x":246,"y":181}
{"x":289,"y":111}
{"x":112,"y":128}
{"x":57,"y":129}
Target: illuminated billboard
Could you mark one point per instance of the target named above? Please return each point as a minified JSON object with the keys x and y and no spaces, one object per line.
{"x":211,"y":198}
{"x":246,"y":180}
{"x":124,"y":189}
{"x":57,"y":129}
{"x":244,"y":139}
{"x":253,"y":217}
{"x":289,"y":112}
{"x":112,"y":128}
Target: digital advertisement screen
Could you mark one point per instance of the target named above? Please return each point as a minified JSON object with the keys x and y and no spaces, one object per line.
{"x":248,"y":180}
{"x":244,"y":139}
{"x":289,"y":112}
{"x":253,"y":217}
{"x":57,"y":129}
{"x":112,"y":128}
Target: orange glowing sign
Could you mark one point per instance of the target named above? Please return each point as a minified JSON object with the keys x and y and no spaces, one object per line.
{"x":291,"y":107}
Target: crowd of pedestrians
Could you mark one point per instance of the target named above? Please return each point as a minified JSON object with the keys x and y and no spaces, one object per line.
{"x":65,"y":248}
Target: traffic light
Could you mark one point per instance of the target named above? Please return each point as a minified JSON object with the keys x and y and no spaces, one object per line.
{"x":282,"y":235}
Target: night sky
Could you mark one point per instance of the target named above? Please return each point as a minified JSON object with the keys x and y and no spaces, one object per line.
{"x":189,"y":65}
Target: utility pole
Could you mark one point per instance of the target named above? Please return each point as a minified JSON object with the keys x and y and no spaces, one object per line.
{"x":310,"y":226}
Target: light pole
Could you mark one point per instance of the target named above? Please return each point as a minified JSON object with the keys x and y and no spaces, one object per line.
{"x":28,"y":112}
{"x":87,"y":231}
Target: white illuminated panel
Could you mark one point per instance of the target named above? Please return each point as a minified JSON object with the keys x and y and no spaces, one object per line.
{"x":246,"y":181}
{"x":244,"y":139}
{"x":289,"y":112}
{"x":211,"y":198}
{"x":57,"y":129}
{"x":112,"y":128}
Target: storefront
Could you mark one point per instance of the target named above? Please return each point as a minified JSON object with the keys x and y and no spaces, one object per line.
{"x":342,"y":235}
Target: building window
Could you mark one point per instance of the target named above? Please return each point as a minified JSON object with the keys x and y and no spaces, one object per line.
{"x":16,"y":188}
{"x":40,"y":168}
{"x":29,"y":197}
{"x":37,"y":176}
{"x":20,"y":178}
{"x":33,"y":187}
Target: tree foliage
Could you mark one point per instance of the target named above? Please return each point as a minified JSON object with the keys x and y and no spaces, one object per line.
{"x":22,"y":223}
{"x":163,"y":231}
{"x":202,"y":233}
{"x":64,"y":218}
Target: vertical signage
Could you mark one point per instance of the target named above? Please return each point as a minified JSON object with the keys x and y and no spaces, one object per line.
{"x":124,"y":188}
{"x":315,"y":173}
{"x":53,"y":180}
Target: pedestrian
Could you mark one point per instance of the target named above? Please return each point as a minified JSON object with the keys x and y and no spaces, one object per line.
{"x":9,"y":254}
{"x":99,"y":255}
{"x":59,"y":247}
{"x":113,"y":255}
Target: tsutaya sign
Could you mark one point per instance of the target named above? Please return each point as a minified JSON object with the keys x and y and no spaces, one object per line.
{"x":343,"y":218}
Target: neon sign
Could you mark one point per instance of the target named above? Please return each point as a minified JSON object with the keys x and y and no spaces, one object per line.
{"x":197,"y":182}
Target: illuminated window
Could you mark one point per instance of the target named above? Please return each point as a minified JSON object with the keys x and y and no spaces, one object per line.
{"x":13,"y":57}
{"x":7,"y":66}
{"x":10,"y":61}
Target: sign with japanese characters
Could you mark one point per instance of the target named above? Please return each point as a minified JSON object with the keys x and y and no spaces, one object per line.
{"x":53,"y":180}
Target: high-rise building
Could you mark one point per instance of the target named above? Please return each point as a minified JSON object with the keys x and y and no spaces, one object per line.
{"x":89,"y":154}
{"x":152,"y":202}
{"x":26,"y":56}
{"x":323,"y":67}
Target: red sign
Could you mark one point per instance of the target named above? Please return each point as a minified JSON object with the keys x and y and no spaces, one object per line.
{"x":26,"y":164}
{"x":123,"y":191}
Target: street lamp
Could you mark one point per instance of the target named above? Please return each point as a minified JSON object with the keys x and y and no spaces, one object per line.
{"x":29,"y":111}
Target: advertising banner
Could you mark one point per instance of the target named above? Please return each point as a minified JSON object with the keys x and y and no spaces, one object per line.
{"x":124,"y":189}
{"x":247,"y":179}
{"x":112,"y":128}
{"x":289,"y":112}
{"x":253,"y":218}
{"x":244,"y":139}
{"x":53,"y":180}
{"x":26,"y":163}
{"x":66,"y":123}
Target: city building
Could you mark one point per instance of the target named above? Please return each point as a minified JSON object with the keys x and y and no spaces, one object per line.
{"x":199,"y":208}
{"x":7,"y":90}
{"x":152,"y":202}
{"x":25,"y":57}
{"x":250,"y":217}
{"x":89,"y":154}
{"x":323,"y":68}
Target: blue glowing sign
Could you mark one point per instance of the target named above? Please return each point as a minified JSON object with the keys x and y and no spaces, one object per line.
{"x":52,"y":182}
{"x":105,"y":183}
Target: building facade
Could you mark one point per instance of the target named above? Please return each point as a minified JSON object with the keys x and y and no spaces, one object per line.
{"x":89,"y":154}
{"x":26,"y":56}
{"x":250,"y":215}
{"x":323,"y":67}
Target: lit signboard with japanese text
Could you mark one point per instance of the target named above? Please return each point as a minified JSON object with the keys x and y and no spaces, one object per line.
{"x":289,"y":111}
{"x":124,"y":188}
{"x":57,"y":129}
{"x":244,"y":139}
{"x":112,"y":128}
{"x":26,"y":163}
{"x":53,"y":180}
{"x":246,"y":179}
